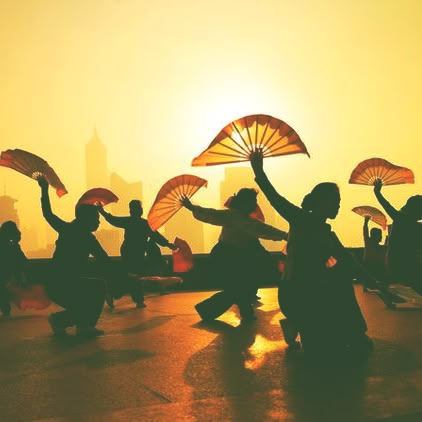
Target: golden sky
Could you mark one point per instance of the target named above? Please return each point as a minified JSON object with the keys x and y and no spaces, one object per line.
{"x":159,"y":79}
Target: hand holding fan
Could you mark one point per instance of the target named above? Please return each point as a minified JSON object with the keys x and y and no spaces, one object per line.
{"x":32,"y":166}
{"x":368,"y":172}
{"x":167,"y":201}
{"x":376,"y":215}
{"x":236,"y":141}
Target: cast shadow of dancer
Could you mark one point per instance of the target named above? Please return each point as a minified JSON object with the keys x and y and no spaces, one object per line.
{"x":404,"y":253}
{"x":316,"y":293}
{"x":221,"y":371}
{"x":68,"y":286}
{"x":139,"y":239}
{"x":238,"y":260}
{"x":12,"y":263}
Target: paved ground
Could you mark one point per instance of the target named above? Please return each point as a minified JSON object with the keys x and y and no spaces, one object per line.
{"x":160,"y":364}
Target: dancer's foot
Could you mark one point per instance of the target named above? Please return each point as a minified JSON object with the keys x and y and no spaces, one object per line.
{"x":57,"y":328}
{"x":88,"y":332}
{"x":141,"y":305}
{"x":290,"y":332}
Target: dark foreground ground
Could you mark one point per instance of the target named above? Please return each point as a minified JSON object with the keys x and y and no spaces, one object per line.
{"x":160,"y":364}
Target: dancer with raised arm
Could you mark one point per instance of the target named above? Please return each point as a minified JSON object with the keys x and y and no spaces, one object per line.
{"x":404,"y":253}
{"x":374,"y":252}
{"x":237,"y":259}
{"x":316,"y":293}
{"x":82,"y":297}
{"x":134,"y":247}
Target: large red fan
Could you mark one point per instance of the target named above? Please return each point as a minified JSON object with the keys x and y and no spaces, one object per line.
{"x":369,"y":171}
{"x":167,"y":202}
{"x":97,"y":196}
{"x":32,"y":166}
{"x":182,"y":257}
{"x":376,"y":215}
{"x":258,"y":214}
{"x":241,"y":137}
{"x":31,"y":297}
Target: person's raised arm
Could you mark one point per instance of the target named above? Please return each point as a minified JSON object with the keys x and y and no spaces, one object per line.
{"x":111,"y":219}
{"x":285,"y":208}
{"x":55,"y":222}
{"x":388,"y":208}
{"x":208,"y":215}
{"x":366,"y":229}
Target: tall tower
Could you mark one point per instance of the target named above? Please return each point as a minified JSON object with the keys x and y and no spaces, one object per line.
{"x":96,"y":163}
{"x":8,"y":210}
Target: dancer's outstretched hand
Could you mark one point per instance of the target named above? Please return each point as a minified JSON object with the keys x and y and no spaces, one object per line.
{"x":42,"y":182}
{"x":185,"y":201}
{"x":377,"y":186}
{"x":257,"y":157}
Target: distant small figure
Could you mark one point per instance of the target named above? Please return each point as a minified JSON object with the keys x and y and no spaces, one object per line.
{"x":82,"y":297}
{"x":404,"y":254}
{"x":139,"y":239}
{"x":238,"y":260}
{"x":374,"y":252}
{"x":12,"y":263}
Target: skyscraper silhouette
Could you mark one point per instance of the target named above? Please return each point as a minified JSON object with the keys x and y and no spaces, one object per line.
{"x":8,"y":210}
{"x":96,"y":163}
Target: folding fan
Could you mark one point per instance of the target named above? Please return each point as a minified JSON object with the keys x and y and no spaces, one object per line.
{"x":182,"y":257}
{"x":257,"y":213}
{"x":32,"y":166}
{"x":376,"y":215}
{"x":97,"y":195}
{"x":167,"y":202}
{"x":369,"y":171}
{"x":241,"y":137}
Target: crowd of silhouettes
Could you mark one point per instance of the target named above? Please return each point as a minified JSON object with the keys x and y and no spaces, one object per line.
{"x":315,"y":294}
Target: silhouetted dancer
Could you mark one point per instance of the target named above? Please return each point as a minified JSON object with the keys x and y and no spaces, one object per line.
{"x":404,"y":253}
{"x":238,"y":259}
{"x":12,"y":263}
{"x":316,"y":292}
{"x":134,"y":247}
{"x":82,"y":297}
{"x":374,"y":252}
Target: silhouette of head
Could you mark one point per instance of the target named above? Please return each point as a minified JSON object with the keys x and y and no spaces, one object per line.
{"x":135,"y":208}
{"x":376,"y":234}
{"x":413,"y":207}
{"x":244,"y":200}
{"x":323,"y":200}
{"x":87,"y":216}
{"x":9,"y":231}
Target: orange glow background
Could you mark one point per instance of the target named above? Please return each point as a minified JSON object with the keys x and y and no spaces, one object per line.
{"x":160,"y":79}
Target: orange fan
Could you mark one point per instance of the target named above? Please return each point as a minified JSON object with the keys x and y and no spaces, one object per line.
{"x":32,"y":166}
{"x":376,"y":215}
{"x":97,"y":195}
{"x":258,"y":214}
{"x":182,"y":257}
{"x":241,"y":137}
{"x":167,"y":202}
{"x":369,"y":171}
